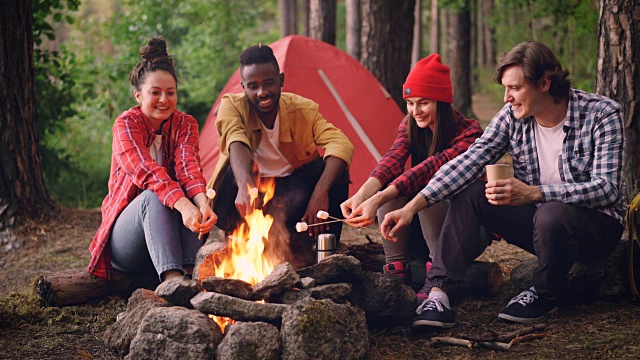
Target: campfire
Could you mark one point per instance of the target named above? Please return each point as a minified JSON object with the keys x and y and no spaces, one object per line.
{"x":245,"y":258}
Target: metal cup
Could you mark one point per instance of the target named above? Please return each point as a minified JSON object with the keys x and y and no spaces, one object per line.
{"x":325,"y":246}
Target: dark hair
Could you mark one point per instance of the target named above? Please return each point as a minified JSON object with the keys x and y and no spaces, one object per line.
{"x":154,"y":57}
{"x":537,"y":61}
{"x":258,"y":54}
{"x":424,"y":142}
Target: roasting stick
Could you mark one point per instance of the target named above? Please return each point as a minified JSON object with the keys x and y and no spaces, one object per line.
{"x":325,"y":215}
{"x":210,"y":194}
{"x":303,"y":226}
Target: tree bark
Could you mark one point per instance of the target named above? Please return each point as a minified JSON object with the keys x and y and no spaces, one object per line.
{"x":288,"y":17}
{"x":416,"y":52}
{"x":489,"y":34}
{"x":354,"y":28}
{"x":459,"y":54}
{"x":322,"y":20}
{"x":387,"y":32}
{"x":434,"y":36}
{"x":305,"y":17}
{"x":22,"y":189}
{"x":618,"y":75}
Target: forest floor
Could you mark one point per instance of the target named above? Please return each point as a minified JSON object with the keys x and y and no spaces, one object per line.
{"x":60,"y":241}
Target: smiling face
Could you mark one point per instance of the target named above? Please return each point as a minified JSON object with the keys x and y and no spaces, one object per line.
{"x":526,"y":98}
{"x":263,"y":85}
{"x":423,"y":111}
{"x":157,"y":97}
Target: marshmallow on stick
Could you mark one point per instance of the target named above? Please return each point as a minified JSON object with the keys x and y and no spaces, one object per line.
{"x":302,"y":226}
{"x":322,"y":215}
{"x":211,"y":193}
{"x":253,"y":193}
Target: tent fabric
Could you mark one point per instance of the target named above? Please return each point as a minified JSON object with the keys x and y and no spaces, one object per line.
{"x":349,"y":96}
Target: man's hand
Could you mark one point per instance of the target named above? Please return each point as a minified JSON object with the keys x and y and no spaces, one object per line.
{"x":243,"y":201}
{"x":512,"y":192}
{"x":318,"y":201}
{"x":394,"y":221}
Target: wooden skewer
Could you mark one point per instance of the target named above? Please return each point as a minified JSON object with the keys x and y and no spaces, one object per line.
{"x":326,"y":222}
{"x":345,"y":221}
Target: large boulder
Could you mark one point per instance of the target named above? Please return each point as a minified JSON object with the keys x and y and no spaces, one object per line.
{"x":322,"y":329}
{"x":334,"y":269}
{"x":119,"y":335}
{"x":386,"y":301}
{"x":249,"y":341}
{"x":178,"y":290}
{"x":175,"y":333}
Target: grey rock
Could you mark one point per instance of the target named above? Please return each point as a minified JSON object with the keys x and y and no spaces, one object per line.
{"x":386,"y":301}
{"x":207,"y":257}
{"x":606,"y":279}
{"x":322,"y":329}
{"x":334,"y":269}
{"x":238,"y":309}
{"x":178,"y":290}
{"x":338,"y":293}
{"x":249,"y":341}
{"x":232,"y":287}
{"x":119,"y":335}
{"x":283,"y":277}
{"x":175,"y":333}
{"x":307,"y":282}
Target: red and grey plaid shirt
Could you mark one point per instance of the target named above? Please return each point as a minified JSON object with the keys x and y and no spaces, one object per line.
{"x":390,"y":169}
{"x":134,"y":170}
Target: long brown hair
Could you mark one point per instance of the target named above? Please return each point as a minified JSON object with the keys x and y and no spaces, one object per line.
{"x":424,"y":142}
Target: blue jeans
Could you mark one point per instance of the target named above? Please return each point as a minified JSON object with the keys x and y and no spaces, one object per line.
{"x":148,"y":237}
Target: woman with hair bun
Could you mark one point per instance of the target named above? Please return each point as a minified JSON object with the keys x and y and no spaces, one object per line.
{"x":156,"y":208}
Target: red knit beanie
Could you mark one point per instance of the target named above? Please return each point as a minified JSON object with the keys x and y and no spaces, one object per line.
{"x":429,"y":79}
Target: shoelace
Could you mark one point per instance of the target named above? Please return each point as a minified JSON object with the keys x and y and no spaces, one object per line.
{"x":430,"y":304}
{"x":524,"y":298}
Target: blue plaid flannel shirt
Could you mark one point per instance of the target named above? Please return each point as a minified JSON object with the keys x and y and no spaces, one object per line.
{"x":591,"y":164}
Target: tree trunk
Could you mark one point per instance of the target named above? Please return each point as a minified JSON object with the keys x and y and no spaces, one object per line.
{"x":459,"y":22}
{"x":322,"y":20}
{"x":387,"y":31}
{"x":618,"y":75}
{"x":416,"y":51}
{"x":489,"y":34}
{"x":305,"y":17}
{"x":288,"y":17}
{"x":22,"y":189}
{"x":354,"y":28}
{"x":434,"y":36}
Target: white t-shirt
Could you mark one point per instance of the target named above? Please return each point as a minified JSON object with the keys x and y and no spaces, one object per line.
{"x":549,"y":148}
{"x":155,"y":149}
{"x":270,"y":160}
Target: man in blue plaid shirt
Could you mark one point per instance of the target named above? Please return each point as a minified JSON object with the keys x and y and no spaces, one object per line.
{"x":565,"y":203}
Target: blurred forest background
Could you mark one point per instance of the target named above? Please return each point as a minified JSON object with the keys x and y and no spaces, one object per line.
{"x":85,"y":50}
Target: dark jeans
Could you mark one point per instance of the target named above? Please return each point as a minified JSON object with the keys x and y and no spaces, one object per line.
{"x":558,"y":234}
{"x":287,"y":207}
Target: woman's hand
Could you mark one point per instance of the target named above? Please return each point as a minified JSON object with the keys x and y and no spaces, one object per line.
{"x":191,"y":216}
{"x":350,"y":204}
{"x":207,"y":216}
{"x":365,"y":213}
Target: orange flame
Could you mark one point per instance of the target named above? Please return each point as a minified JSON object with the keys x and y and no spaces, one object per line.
{"x":246,"y":259}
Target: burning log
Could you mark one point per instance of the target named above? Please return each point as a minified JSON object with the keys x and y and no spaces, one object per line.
{"x":237,"y":309}
{"x":72,"y":287}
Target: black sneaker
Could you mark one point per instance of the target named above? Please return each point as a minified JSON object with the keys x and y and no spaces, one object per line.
{"x":433,"y":313}
{"x":528,"y":307}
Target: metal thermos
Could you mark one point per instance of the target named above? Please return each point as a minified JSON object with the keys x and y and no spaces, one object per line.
{"x":325,"y":246}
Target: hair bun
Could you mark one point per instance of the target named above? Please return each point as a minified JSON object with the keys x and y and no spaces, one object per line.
{"x":155,"y":48}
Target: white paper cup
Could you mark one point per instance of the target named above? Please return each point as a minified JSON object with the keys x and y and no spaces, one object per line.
{"x":497,"y":172}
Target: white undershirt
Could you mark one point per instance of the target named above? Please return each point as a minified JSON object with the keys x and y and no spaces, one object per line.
{"x":270,"y":160}
{"x":549,"y":149}
{"x":155,"y":149}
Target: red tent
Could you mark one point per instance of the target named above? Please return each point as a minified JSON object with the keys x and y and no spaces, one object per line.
{"x":349,"y":96}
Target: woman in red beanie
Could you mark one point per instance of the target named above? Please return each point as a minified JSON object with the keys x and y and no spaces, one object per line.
{"x":432,"y":133}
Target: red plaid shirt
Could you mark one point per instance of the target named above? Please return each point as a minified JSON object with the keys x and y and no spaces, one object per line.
{"x":134,"y":170}
{"x":390,"y":169}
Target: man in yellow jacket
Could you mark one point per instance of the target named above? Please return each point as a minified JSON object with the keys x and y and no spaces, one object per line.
{"x":265,"y":133}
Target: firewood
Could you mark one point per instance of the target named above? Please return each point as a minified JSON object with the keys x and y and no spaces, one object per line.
{"x":492,"y":335}
{"x":494,"y":340}
{"x":452,"y":341}
{"x":72,"y":287}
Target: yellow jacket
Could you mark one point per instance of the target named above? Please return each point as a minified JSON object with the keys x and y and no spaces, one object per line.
{"x":302,"y":130}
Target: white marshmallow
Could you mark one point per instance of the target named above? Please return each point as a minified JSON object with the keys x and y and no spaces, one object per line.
{"x":253,"y":193}
{"x":322,"y":215}
{"x":211,"y":193}
{"x":302,"y":226}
